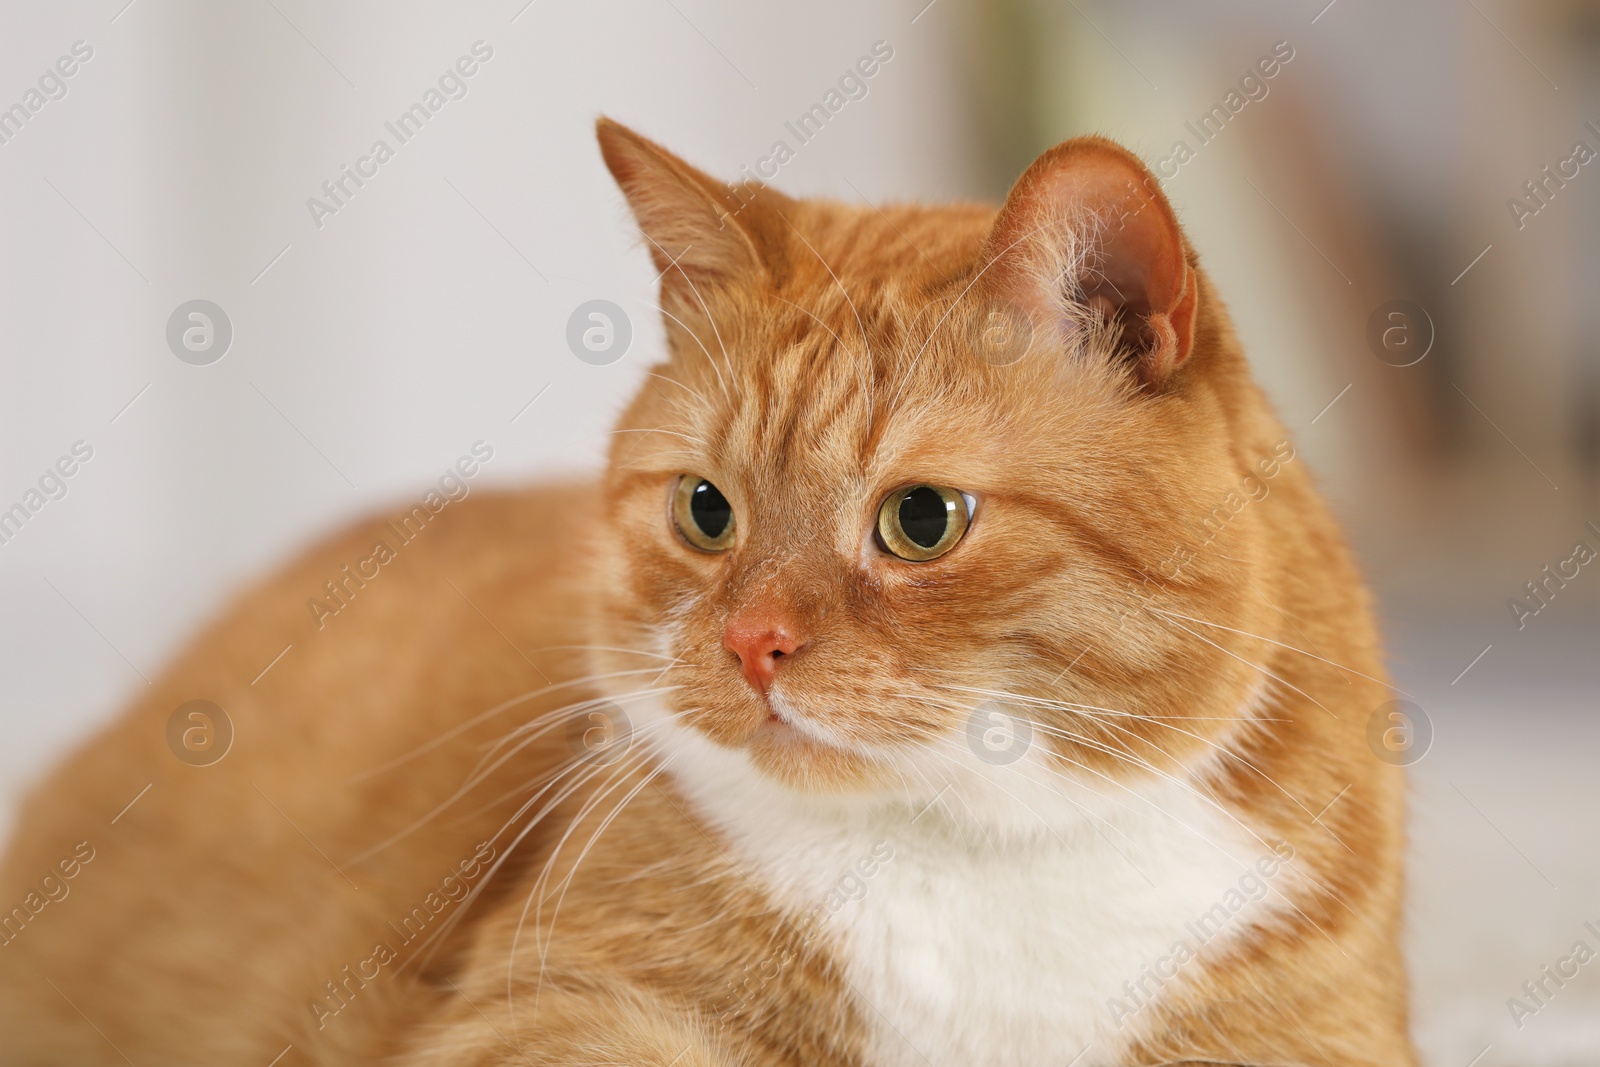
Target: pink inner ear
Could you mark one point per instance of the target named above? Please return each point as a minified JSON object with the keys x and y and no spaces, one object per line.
{"x":1094,"y":188}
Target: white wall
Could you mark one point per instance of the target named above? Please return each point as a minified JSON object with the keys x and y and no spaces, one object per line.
{"x":390,"y":338}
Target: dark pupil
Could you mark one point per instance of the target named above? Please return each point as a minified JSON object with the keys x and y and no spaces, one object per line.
{"x":924,"y":516}
{"x":710,"y":509}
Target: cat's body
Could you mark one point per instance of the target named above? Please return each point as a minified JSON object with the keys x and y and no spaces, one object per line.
{"x":206,"y":924}
{"x":980,"y":952}
{"x":1173,"y":845}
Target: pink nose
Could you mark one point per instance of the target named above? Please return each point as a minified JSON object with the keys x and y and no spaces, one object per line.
{"x":760,"y":643}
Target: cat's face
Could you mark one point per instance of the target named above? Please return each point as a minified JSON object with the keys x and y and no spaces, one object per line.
{"x":894,"y":515}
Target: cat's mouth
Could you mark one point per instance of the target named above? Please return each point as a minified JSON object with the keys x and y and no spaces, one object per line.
{"x":810,"y":736}
{"x":788,"y":727}
{"x":790,"y":752}
{"x":782,"y":716}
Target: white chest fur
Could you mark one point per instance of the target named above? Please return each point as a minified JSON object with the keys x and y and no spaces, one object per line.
{"x":1008,"y":950}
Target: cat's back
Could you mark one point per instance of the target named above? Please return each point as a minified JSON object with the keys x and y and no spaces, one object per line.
{"x":231,"y":871}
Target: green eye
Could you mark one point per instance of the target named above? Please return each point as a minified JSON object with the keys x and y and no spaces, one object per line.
{"x":703,"y":514}
{"x":922,"y":522}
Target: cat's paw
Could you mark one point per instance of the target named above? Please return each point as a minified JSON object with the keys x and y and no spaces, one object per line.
{"x":572,"y":1029}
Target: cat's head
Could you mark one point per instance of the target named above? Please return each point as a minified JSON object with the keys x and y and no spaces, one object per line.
{"x":918,"y":493}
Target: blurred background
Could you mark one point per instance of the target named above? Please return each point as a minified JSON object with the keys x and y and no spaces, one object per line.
{"x":1403,"y":218}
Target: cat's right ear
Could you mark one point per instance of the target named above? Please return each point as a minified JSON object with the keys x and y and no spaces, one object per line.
{"x":691,"y":222}
{"x":1087,"y":231}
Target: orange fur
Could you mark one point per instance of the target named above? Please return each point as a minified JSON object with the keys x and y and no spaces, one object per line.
{"x":820,"y":355}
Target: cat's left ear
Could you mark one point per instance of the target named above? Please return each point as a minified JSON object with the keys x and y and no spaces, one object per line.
{"x":699,"y":230}
{"x":1088,"y":225}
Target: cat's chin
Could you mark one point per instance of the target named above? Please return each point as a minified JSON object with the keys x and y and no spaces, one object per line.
{"x":797,"y":757}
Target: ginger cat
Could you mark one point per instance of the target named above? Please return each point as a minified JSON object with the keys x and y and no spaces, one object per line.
{"x":954,"y":665}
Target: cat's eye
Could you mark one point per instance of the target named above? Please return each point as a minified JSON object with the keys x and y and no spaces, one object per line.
{"x":703,"y":515}
{"x":923,"y":522}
